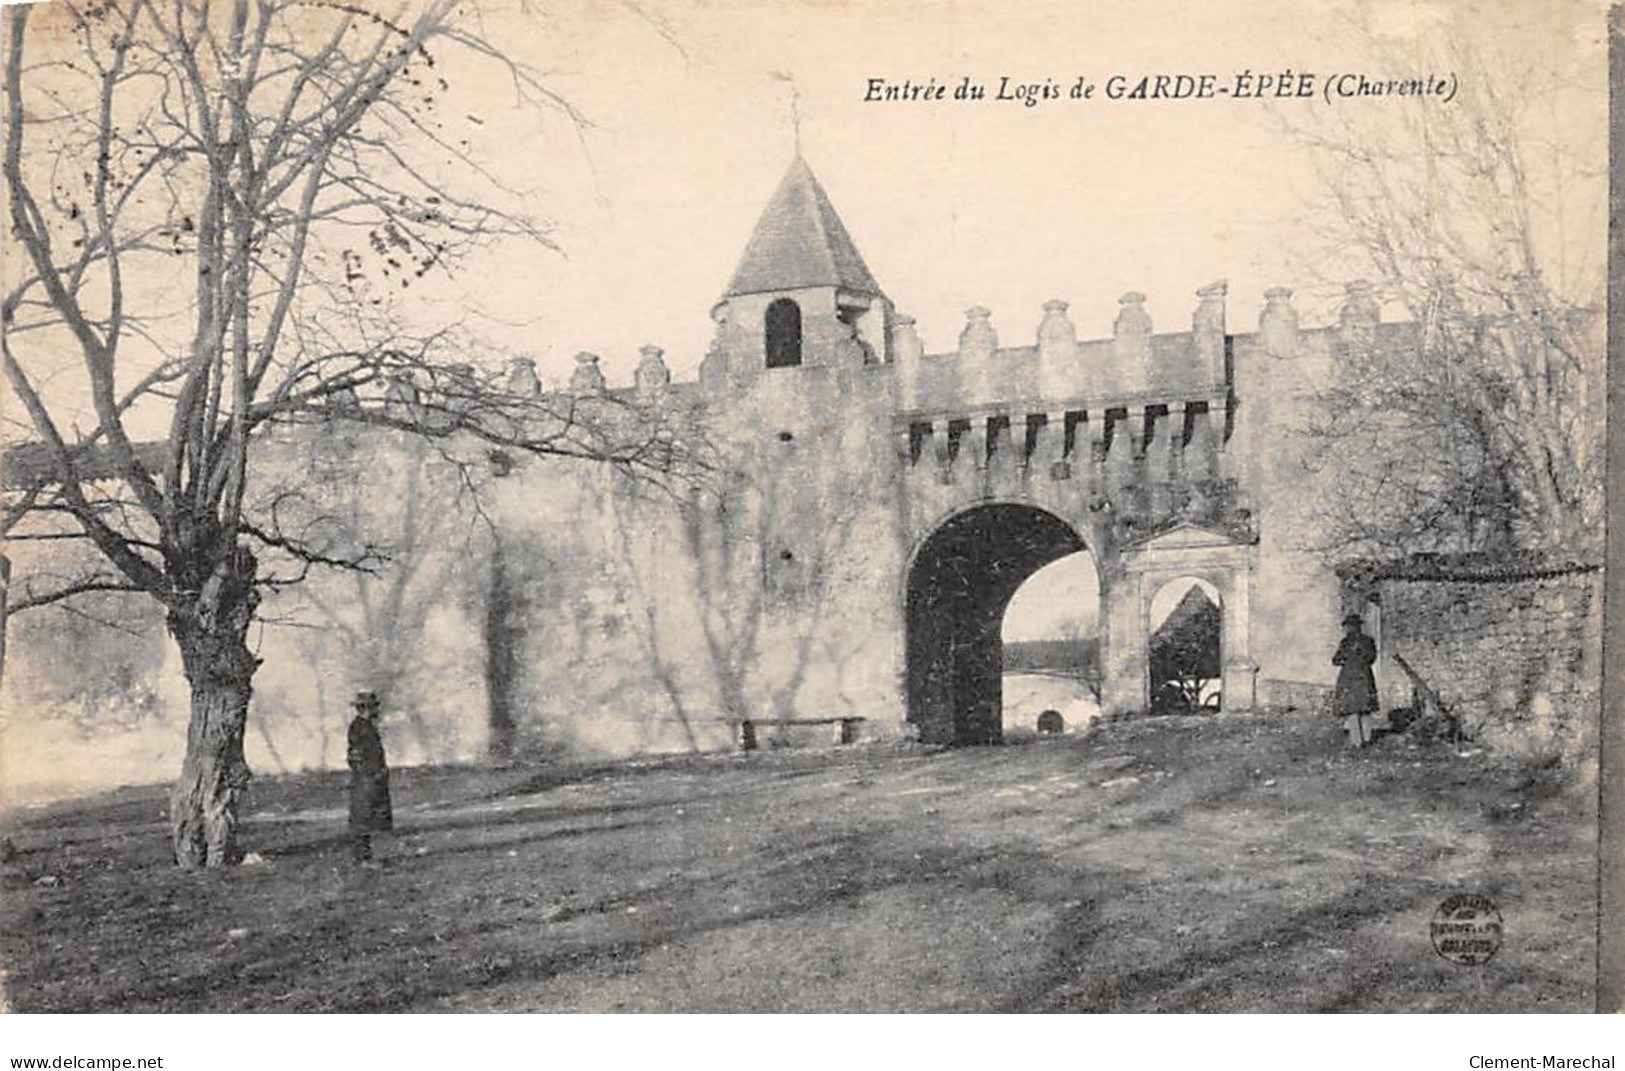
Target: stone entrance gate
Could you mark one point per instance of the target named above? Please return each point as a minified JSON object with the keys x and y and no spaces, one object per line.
{"x":1142,"y":488}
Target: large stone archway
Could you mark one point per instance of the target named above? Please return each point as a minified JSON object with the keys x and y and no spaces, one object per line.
{"x":960,"y":581}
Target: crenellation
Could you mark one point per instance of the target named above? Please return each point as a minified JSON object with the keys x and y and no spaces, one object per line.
{"x":907,"y":354}
{"x":652,"y":378}
{"x":906,"y":344}
{"x":451,"y":391}
{"x":978,"y":340}
{"x":980,"y":378}
{"x":1122,"y":439}
{"x":1132,"y":348}
{"x":587,"y":378}
{"x":1357,"y":320}
{"x":1133,"y":321}
{"x":1208,"y":319}
{"x":1360,"y":305}
{"x":1057,"y":336}
{"x":401,"y":397}
{"x":522,"y":378}
{"x":1278,"y":322}
{"x":343,"y":401}
{"x":1208,"y":330}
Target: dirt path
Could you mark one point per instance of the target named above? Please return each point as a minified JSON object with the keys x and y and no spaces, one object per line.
{"x":1225,"y":863}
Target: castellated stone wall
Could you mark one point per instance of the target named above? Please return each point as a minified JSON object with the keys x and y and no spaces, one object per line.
{"x":114,"y":711}
{"x":645,"y":618}
{"x":1517,"y":657}
{"x":534,"y":602}
{"x":573,"y":608}
{"x":528,"y":601}
{"x":569,"y":605}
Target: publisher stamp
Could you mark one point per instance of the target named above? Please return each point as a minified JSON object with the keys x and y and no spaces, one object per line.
{"x":1466,"y":929}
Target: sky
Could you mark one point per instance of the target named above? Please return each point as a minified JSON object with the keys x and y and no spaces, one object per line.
{"x":687,"y":110}
{"x":687,"y":126}
{"x":952,"y":204}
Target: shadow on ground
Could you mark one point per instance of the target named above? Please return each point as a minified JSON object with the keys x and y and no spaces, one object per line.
{"x":1213,"y":864}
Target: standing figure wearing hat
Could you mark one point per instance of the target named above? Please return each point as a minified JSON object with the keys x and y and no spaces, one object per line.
{"x":369,"y":778}
{"x":1355,"y":698}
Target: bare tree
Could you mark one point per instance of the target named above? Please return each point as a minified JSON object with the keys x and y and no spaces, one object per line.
{"x":1480,"y":431}
{"x":275,"y":171}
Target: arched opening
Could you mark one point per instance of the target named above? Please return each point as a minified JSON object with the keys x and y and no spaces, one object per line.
{"x":783,"y":327}
{"x":959,"y":585}
{"x":1051,"y":639}
{"x":1186,"y":647}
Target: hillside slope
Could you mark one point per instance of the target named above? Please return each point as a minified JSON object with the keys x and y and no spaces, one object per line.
{"x":1194,"y":864}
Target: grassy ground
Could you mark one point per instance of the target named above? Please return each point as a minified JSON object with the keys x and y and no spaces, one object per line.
{"x":1201,"y":864}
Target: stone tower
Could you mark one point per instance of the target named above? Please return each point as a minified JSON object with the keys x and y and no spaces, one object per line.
{"x":799,"y":386}
{"x":802,"y":296}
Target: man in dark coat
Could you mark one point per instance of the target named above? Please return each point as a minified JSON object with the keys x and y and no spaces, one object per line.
{"x":1355,"y":698}
{"x":369,"y":778}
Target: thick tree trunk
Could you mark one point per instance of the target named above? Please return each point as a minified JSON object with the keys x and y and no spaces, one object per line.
{"x":203,"y":804}
{"x":213,"y":638}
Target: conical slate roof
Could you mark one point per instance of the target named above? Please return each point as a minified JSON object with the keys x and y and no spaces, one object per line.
{"x":800,"y":242}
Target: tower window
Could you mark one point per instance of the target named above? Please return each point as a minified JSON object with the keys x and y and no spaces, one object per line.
{"x":783,"y":334}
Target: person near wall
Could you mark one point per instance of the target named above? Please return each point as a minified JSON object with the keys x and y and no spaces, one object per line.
{"x":1355,"y":697}
{"x":370,"y":810}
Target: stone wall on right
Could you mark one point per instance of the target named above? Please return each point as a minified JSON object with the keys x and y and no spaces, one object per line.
{"x":1515,"y":653}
